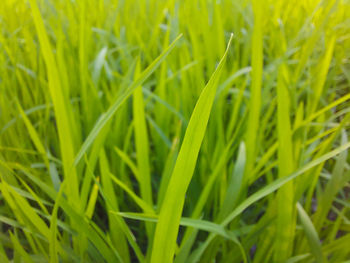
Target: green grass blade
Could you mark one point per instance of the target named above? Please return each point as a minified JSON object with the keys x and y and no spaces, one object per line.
{"x":116,"y":226}
{"x":129,"y":162}
{"x":142,"y":142}
{"x":34,"y":135}
{"x":53,"y":228}
{"x":105,"y":117}
{"x":311,"y":234}
{"x":20,"y":249}
{"x":61,"y":106}
{"x":266,"y":191}
{"x":170,"y":213}
{"x":235,"y":183}
{"x":140,"y":202}
{"x":255,"y":101}
{"x":285,"y":197}
{"x":195,"y":223}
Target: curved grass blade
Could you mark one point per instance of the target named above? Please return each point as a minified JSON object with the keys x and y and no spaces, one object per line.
{"x":170,"y":213}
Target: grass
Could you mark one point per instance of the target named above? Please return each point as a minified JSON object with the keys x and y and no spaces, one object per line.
{"x":174,"y":131}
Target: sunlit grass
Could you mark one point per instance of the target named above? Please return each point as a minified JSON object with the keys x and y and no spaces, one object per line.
{"x":174,"y":131}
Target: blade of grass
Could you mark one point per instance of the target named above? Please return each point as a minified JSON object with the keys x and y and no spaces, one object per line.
{"x":105,"y":117}
{"x":53,"y":228}
{"x":264,"y":192}
{"x":195,"y":223}
{"x":140,"y":202}
{"x":92,"y":200}
{"x":257,"y":67}
{"x":61,"y":106}
{"x":18,"y":247}
{"x":170,"y":213}
{"x":142,"y":143}
{"x":129,"y":162}
{"x":34,"y":136}
{"x":311,"y":234}
{"x":115,"y":225}
{"x":285,"y":223}
{"x":234,"y":184}
{"x":99,"y":241}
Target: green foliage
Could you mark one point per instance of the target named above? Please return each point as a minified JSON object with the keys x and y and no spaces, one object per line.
{"x":174,"y":131}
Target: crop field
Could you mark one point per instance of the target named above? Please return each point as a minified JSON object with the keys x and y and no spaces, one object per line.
{"x":175,"y":131}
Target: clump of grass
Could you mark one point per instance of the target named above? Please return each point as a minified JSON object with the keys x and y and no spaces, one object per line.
{"x":167,"y":131}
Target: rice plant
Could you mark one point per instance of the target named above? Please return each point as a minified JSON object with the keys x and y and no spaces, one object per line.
{"x":174,"y":131}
